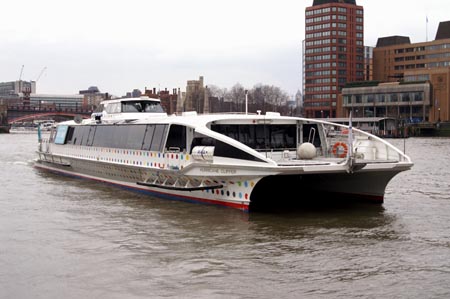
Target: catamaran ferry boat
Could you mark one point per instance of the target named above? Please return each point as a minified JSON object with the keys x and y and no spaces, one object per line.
{"x":244,"y":161}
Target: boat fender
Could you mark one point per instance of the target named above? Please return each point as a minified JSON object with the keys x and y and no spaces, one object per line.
{"x":306,"y":151}
{"x":340,"y":149}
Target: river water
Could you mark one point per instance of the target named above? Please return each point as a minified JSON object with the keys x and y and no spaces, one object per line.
{"x":68,"y":238}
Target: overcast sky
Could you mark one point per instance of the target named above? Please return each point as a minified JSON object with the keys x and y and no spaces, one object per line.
{"x":122,"y":45}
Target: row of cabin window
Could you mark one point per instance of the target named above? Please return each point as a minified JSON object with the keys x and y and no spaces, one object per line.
{"x":261,"y":137}
{"x":148,"y":137}
{"x":135,"y":137}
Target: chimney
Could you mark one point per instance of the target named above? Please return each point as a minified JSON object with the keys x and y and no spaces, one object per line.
{"x":206,"y":101}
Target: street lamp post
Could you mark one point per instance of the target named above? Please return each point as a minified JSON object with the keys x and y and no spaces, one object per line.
{"x":321,"y":113}
{"x":246,"y":102}
{"x":439,"y":114}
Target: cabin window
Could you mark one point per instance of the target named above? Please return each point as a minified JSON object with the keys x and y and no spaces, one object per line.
{"x":91,"y":135}
{"x":61,"y":134}
{"x":104,"y":136}
{"x":80,"y":135}
{"x":176,"y":139}
{"x":120,"y":139}
{"x":283,"y":136}
{"x":131,"y":107}
{"x":135,"y":137}
{"x":247,"y":135}
{"x":113,"y":108}
{"x":142,"y":106}
{"x":311,"y":134}
{"x":158,"y":138}
{"x":222,"y":149}
{"x":148,"y":137}
{"x":69,"y":137}
{"x":100,"y":108}
{"x":154,"y":137}
{"x":260,"y":137}
{"x":153,"y":107}
{"x":225,"y":150}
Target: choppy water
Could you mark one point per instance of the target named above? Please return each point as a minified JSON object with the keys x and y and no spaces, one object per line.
{"x":67,"y":238}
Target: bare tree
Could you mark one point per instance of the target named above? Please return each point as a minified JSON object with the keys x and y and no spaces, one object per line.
{"x":216,"y":91}
{"x":237,"y":96}
{"x":260,"y":97}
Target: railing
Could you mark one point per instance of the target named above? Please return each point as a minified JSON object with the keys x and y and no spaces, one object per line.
{"x":48,"y":109}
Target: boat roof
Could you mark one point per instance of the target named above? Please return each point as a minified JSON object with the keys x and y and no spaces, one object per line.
{"x":192,"y":119}
{"x":142,"y":98}
{"x":356,"y":119}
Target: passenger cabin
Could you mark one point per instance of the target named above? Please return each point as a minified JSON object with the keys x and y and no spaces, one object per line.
{"x":128,"y":109}
{"x":235,"y":138}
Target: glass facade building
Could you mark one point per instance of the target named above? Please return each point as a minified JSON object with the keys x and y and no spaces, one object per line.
{"x":409,"y":101}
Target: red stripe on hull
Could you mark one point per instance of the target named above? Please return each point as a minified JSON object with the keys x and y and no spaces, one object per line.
{"x":165,"y":195}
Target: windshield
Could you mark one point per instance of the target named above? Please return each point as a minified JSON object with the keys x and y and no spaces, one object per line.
{"x":142,"y":106}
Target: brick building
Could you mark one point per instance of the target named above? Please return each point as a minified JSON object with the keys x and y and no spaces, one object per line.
{"x":333,"y":53}
{"x":397,"y":59}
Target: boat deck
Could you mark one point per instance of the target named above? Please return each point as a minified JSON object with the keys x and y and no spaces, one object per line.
{"x":329,"y":161}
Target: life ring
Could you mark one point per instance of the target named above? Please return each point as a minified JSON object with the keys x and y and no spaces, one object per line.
{"x":340,"y":149}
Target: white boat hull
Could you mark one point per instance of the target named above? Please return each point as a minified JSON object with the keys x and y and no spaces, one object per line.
{"x":241,"y":192}
{"x":240,"y":161}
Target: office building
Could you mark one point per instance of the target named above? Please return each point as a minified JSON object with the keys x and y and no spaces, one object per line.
{"x":397,"y":59}
{"x":14,"y":88}
{"x":333,"y":53}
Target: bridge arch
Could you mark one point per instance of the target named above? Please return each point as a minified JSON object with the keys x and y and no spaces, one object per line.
{"x":39,"y":115}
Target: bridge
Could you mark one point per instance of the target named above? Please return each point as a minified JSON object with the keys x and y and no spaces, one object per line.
{"x":22,"y":113}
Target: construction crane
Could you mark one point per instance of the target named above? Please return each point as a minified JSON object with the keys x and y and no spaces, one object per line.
{"x":40,"y":74}
{"x":21,"y":72}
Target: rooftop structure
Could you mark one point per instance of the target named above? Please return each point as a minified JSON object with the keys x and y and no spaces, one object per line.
{"x":320,"y":2}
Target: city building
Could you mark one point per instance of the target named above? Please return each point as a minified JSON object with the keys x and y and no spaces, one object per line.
{"x":407,"y":102}
{"x":13,"y":88}
{"x":397,"y":59}
{"x":194,"y":99}
{"x":168,"y":100}
{"x":333,"y":53}
{"x":136,"y":93}
{"x":23,"y":93}
{"x":92,"y":97}
{"x":368,"y":63}
{"x":55,"y":101}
